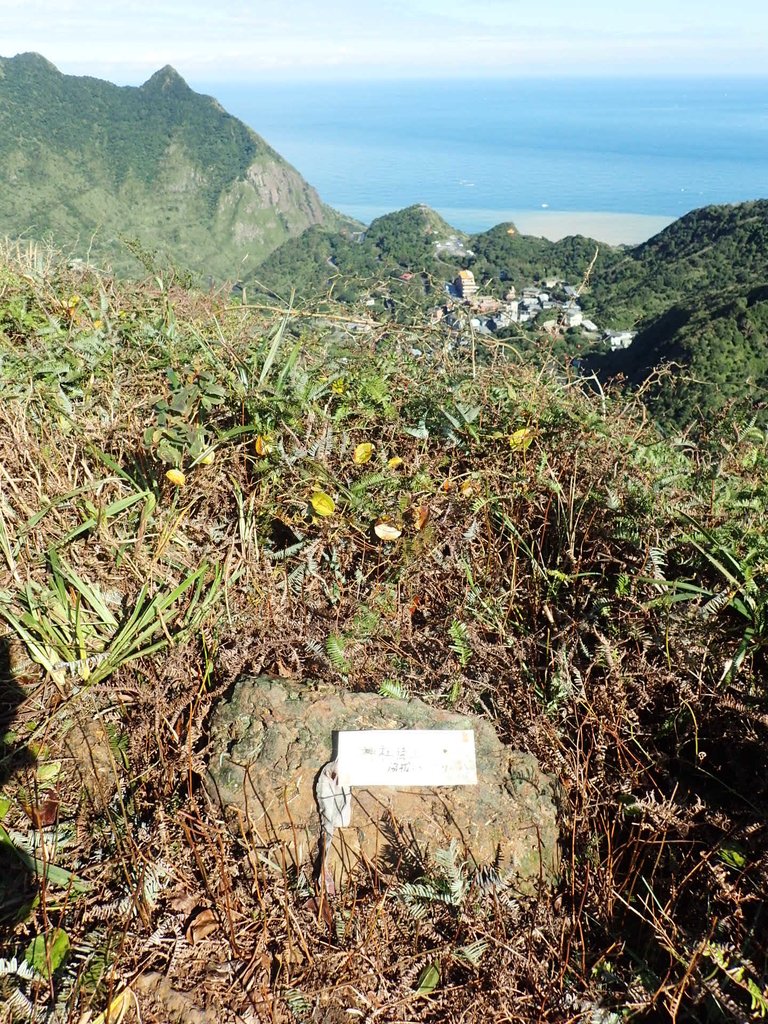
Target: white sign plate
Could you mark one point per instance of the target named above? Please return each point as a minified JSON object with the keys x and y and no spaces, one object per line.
{"x":407,"y":757}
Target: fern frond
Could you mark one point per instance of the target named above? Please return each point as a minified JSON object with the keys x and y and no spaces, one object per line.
{"x":334,"y":648}
{"x":445,"y":858}
{"x":20,"y":1007}
{"x":459,"y":642}
{"x":416,"y":896}
{"x":314,"y":647}
{"x":394,"y":688}
{"x":296,"y":579}
{"x":366,"y":483}
{"x":658,"y":559}
{"x":364,"y":623}
{"x":297,"y":1003}
{"x":715,"y":604}
{"x":21,"y":970}
{"x":324,"y":445}
{"x":472,"y":530}
{"x":284,"y":553}
{"x":454,"y":875}
{"x":472,"y":953}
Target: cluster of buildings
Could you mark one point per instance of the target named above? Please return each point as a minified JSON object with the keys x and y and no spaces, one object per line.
{"x":487,"y":315}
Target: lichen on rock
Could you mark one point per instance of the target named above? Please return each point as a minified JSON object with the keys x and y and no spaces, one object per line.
{"x":270,"y":740}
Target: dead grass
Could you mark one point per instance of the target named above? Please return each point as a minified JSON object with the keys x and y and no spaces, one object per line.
{"x":521,"y":589}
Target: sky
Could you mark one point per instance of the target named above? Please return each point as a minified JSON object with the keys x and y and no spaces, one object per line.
{"x":249,"y":40}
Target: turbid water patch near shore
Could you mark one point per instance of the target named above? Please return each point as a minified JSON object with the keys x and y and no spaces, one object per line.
{"x":612,"y":228}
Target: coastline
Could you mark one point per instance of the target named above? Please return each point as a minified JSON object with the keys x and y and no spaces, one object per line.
{"x":609,"y":228}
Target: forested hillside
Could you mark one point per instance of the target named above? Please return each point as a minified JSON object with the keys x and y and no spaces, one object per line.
{"x":503,"y":257}
{"x":716,"y":354}
{"x":356,"y":264}
{"x":703,"y":255}
{"x":92,"y":165}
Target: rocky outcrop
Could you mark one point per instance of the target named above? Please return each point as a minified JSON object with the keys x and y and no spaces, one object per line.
{"x":270,"y":740}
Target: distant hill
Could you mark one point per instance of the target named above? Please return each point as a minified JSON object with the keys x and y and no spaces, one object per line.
{"x":716,"y":353}
{"x":89,"y":164}
{"x":502,"y":257}
{"x":352,"y":264}
{"x":418,"y":242}
{"x":698,"y":294}
{"x":704,"y":254}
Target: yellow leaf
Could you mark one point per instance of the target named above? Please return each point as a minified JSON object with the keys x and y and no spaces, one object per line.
{"x":420,"y":516}
{"x":386,"y":530}
{"x":322,"y":503}
{"x":395,"y":462}
{"x":263,"y":444}
{"x":363,"y":453}
{"x":208,"y":458}
{"x":467,"y":488}
{"x":176,"y":477}
{"x":117,"y":1009}
{"x":520,"y":440}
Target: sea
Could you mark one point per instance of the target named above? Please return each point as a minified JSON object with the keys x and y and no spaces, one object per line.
{"x":625,"y":156}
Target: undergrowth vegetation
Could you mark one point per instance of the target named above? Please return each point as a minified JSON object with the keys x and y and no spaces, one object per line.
{"x":192,"y":488}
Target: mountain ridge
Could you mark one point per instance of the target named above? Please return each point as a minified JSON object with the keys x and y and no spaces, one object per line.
{"x":158,"y":162}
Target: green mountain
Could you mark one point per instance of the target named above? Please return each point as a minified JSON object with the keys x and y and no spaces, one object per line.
{"x":704,"y":254}
{"x":91,"y":164}
{"x":353,"y":264}
{"x":418,"y":241}
{"x":502,"y":257}
{"x":698,"y":292}
{"x":696,"y":361}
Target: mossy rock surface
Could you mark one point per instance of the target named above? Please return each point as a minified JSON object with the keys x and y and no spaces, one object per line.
{"x":270,"y":740}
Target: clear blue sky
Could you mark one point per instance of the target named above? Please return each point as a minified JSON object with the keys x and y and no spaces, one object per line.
{"x":242,"y":40}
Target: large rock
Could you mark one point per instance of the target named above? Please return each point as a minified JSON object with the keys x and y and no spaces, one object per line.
{"x":270,"y":740}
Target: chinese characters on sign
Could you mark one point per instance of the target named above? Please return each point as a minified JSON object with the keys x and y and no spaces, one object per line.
{"x":407,"y":757}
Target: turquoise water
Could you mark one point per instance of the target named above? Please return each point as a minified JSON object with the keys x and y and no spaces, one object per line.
{"x":477,"y":150}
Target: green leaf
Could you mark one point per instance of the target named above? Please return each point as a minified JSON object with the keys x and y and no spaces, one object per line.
{"x":48,"y":772}
{"x":273,"y":349}
{"x":46,"y":953}
{"x":114,"y":509}
{"x":732,"y":854}
{"x":43,"y":869}
{"x":90,"y":593}
{"x":428,"y":981}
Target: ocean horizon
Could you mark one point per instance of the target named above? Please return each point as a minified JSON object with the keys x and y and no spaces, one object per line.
{"x":620,"y":157}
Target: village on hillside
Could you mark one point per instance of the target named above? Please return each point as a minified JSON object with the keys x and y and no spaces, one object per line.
{"x":466,"y":308}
